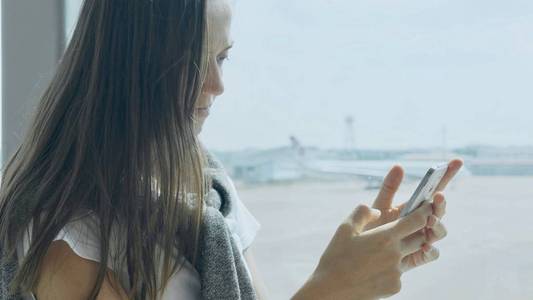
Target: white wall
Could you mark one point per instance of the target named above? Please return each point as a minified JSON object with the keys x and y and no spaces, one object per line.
{"x":36,"y":38}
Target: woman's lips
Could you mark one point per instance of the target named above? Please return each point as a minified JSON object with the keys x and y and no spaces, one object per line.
{"x":203,"y":111}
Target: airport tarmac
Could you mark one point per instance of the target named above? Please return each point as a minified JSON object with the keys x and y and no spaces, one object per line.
{"x":488,"y":253}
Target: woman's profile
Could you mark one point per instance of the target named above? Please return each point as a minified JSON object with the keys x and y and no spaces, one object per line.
{"x":111,"y":195}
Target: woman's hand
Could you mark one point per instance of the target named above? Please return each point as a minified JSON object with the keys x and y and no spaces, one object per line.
{"x":392,"y":182}
{"x":435,"y":230}
{"x":366,"y":265}
{"x":373,"y":247}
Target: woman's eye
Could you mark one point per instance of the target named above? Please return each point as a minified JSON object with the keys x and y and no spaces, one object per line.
{"x":221,"y":59}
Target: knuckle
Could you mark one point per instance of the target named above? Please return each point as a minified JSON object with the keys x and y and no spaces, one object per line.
{"x":419,"y":235}
{"x":345,"y":228}
{"x":362,"y":210}
{"x":396,"y":274}
{"x":395,"y":287}
{"x":403,"y":245}
{"x":421,"y":238}
{"x":388,"y":187}
{"x":439,"y":232}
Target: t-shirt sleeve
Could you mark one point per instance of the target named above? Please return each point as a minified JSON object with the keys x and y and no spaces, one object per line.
{"x":82,"y":236}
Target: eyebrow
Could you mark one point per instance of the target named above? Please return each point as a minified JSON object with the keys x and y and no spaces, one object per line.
{"x":229,"y":47}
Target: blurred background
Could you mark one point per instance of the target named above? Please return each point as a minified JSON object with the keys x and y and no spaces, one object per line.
{"x":324,"y":96}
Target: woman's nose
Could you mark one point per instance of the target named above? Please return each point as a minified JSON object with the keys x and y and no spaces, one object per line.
{"x":213,"y":84}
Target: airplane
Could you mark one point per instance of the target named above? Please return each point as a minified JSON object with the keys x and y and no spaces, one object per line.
{"x":371,"y":171}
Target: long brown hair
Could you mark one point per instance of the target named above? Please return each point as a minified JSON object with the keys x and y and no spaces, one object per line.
{"x":114,"y":134}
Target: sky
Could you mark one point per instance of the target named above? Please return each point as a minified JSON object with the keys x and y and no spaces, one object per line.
{"x":411,"y":73}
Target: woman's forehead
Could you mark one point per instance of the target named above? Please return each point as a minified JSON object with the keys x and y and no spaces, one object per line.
{"x":219,"y":21}
{"x":219,"y":12}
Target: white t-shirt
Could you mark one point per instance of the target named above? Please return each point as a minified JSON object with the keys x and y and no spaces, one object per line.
{"x":81,"y":235}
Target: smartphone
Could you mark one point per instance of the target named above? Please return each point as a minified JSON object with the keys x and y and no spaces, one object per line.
{"x":425,"y":189}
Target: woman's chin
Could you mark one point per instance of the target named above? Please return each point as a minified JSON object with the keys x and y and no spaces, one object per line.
{"x":198,"y":125}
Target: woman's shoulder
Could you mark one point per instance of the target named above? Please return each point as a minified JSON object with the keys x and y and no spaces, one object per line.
{"x":66,"y":275}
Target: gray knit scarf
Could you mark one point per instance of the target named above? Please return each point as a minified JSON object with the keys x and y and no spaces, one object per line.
{"x":220,"y":264}
{"x":223,"y":275}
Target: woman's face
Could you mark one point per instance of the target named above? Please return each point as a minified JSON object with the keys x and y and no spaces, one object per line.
{"x":218,"y":27}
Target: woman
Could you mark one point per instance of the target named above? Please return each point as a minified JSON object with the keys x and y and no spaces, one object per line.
{"x":105,"y":197}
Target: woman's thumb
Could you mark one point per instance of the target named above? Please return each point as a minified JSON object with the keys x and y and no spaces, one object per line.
{"x":362,"y":215}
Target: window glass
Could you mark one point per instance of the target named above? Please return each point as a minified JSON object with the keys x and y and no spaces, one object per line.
{"x":323,"y":97}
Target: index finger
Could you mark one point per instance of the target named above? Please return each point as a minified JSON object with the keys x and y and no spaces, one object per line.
{"x":453,"y":167}
{"x":413,"y":222}
{"x":390,"y":186}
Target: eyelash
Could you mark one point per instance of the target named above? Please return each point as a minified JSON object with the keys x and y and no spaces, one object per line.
{"x":221,"y":59}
